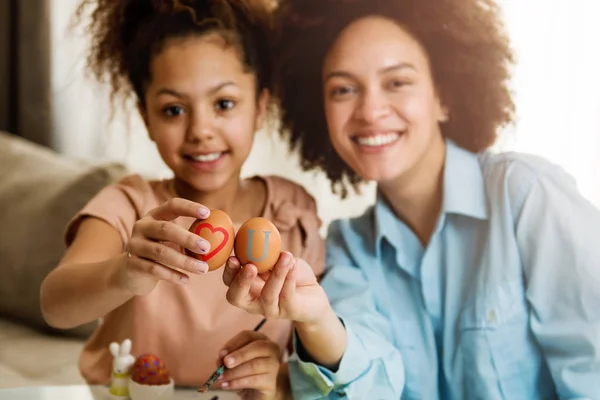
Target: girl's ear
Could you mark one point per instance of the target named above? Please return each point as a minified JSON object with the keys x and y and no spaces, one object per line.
{"x":262,"y":108}
{"x":144,"y":115}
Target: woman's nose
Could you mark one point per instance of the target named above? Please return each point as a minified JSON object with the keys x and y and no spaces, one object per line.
{"x":373,"y":106}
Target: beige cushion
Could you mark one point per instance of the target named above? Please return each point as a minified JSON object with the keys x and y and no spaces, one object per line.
{"x":30,"y":358}
{"x":40,"y":191}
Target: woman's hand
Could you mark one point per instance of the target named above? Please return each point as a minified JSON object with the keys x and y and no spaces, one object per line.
{"x":289,"y":291}
{"x":252,"y":362}
{"x":154,"y":251}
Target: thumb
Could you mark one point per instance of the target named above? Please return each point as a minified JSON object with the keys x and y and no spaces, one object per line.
{"x":303,"y":273}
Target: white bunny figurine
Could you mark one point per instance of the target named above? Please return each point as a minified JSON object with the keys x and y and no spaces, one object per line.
{"x":122,"y":363}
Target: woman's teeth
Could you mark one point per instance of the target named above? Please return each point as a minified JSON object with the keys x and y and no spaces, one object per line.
{"x":207,"y":157}
{"x":378,"y":140}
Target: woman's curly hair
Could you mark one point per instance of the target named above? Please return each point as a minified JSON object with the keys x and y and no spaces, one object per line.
{"x":468,"y":51}
{"x":127,"y":34}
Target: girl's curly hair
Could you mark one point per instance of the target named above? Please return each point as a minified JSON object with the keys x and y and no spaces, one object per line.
{"x":468,"y":51}
{"x":126,"y":34}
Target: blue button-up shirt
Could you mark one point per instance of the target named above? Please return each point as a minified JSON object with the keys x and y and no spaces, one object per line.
{"x":503,"y":303}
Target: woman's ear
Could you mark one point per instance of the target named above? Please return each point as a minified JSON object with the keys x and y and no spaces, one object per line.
{"x":444,"y":114}
{"x":144,"y":115}
{"x":262,"y":108}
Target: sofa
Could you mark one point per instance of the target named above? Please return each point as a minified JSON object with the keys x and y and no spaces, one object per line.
{"x":40,"y":190}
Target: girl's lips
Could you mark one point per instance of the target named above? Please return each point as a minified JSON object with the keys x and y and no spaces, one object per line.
{"x":207,"y":162}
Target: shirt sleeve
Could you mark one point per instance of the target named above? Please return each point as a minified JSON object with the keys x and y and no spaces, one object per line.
{"x":371,"y":365}
{"x":558,"y":234}
{"x":119,"y":205}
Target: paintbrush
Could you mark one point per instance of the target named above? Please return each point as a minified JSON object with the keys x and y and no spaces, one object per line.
{"x":219,"y":371}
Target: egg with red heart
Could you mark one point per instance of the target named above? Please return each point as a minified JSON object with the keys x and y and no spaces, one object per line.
{"x":218,"y":230}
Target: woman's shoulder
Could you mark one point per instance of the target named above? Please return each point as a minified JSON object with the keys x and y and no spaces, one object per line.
{"x":514,"y":175}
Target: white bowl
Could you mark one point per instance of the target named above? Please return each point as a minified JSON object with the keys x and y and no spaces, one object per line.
{"x":151,"y":392}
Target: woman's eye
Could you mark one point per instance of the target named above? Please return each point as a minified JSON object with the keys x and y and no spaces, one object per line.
{"x":397,"y":84}
{"x":173,"y":111}
{"x":225,"y":104}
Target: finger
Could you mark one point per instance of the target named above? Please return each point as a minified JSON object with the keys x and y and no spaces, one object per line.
{"x":257,"y":382}
{"x":157,"y":270}
{"x":269,"y":296}
{"x":256,"y":367}
{"x":170,"y":232}
{"x":178,"y":207}
{"x":288,"y":291}
{"x":165,"y":255}
{"x":240,"y":340}
{"x":238,"y":293}
{"x":255,"y":349}
{"x":232,"y":267}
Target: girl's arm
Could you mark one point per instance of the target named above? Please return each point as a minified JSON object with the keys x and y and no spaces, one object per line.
{"x":85,"y":286}
{"x":95,"y":276}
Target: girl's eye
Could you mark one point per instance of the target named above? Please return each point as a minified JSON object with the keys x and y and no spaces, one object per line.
{"x":173,"y":111}
{"x":224,"y":104}
{"x":342,"y":91}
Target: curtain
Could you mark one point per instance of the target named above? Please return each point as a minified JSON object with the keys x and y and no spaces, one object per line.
{"x":25,"y":97}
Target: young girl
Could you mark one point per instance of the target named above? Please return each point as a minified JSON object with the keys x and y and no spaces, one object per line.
{"x":475,"y":275}
{"x":201,"y":73}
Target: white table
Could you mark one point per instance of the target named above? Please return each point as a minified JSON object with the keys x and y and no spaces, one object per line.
{"x":82,"y":392}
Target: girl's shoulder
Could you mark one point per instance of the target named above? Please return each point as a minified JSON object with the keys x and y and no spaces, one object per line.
{"x":293,"y":210}
{"x":285,"y":191}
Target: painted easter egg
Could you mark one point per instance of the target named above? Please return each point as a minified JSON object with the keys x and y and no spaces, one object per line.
{"x":148,"y":369}
{"x":218,"y":230}
{"x":258,"y":242}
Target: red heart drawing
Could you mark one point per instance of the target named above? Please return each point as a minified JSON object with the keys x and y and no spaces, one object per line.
{"x":213,"y":230}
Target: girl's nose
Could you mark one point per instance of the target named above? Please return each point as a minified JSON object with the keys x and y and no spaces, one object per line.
{"x":201,"y":128}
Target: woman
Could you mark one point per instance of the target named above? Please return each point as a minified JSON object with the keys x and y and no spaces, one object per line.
{"x":475,"y":275}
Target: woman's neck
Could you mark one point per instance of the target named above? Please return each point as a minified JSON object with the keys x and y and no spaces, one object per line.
{"x":416,"y":197}
{"x":240,"y":199}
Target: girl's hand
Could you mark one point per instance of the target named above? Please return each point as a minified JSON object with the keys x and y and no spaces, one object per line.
{"x":154,"y":251}
{"x":289,"y":291}
{"x":252,"y":362}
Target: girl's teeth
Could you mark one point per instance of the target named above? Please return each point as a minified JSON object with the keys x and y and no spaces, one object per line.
{"x":207,"y":157}
{"x":379,"y":140}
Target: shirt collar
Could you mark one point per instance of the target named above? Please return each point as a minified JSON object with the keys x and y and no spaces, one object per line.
{"x":464,"y":193}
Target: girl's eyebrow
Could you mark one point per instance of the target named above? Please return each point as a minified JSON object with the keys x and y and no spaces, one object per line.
{"x":346,"y":74}
{"x":212,"y":90}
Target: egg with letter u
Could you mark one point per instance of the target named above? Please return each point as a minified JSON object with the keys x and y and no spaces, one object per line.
{"x":258,"y":242}
{"x":218,"y":230}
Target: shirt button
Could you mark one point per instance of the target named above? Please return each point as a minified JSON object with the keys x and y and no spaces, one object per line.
{"x":491,"y":317}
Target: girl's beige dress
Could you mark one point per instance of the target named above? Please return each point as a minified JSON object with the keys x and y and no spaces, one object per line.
{"x":187,"y":325}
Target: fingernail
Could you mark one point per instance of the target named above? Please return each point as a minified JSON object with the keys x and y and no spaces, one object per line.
{"x":203,"y":245}
{"x":184,"y":280}
{"x":203,"y":212}
{"x":233,"y":262}
{"x":224,"y":384}
{"x":201,"y":267}
{"x":229,"y":361}
{"x":247,"y":273}
{"x":288,"y":259}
